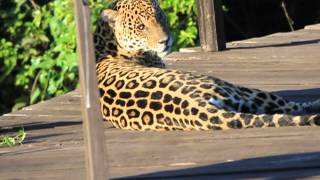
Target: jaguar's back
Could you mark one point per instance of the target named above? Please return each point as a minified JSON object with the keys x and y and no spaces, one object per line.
{"x":138,"y":94}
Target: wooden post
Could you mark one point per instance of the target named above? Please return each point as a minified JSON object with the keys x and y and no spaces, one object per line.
{"x":211,"y":28}
{"x":92,"y":120}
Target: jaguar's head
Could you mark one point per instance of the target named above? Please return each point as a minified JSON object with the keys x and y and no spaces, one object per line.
{"x":139,"y":26}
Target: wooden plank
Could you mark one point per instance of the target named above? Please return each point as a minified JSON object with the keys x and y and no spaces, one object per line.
{"x":92,"y":120}
{"x":136,"y":153}
{"x":280,"y":61}
{"x":268,"y":55}
{"x":211,"y":28}
{"x":150,"y":152}
{"x":295,"y":39}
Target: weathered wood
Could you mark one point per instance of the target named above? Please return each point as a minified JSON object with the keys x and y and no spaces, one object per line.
{"x":276,"y":62}
{"x":92,"y":120}
{"x":211,"y":27}
{"x":136,"y":153}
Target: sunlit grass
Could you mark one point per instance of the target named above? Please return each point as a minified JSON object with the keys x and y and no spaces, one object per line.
{"x":6,"y":140}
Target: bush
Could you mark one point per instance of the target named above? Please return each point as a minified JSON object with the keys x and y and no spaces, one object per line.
{"x":182,"y":20}
{"x":38,"y":46}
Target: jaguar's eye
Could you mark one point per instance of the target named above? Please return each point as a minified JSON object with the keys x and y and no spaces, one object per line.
{"x":141,"y":27}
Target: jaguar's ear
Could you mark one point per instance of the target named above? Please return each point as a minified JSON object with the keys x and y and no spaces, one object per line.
{"x":109,"y":15}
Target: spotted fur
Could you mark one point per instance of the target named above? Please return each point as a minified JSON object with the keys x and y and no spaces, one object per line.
{"x":137,"y":93}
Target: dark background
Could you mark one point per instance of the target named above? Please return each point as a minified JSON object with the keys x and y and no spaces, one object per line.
{"x":251,"y":18}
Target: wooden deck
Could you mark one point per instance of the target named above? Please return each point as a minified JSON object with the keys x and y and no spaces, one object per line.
{"x":288,"y":63}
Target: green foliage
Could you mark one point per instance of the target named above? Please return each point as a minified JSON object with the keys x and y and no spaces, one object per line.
{"x":37,"y":51}
{"x":38,"y":46}
{"x":182,"y":20}
{"x":13,"y":140}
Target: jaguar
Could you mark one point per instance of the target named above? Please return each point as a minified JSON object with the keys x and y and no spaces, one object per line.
{"x":138,"y":93}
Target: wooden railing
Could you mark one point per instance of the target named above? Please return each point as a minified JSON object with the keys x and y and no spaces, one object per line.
{"x":93,"y":133}
{"x":211,"y":37}
{"x":211,"y":28}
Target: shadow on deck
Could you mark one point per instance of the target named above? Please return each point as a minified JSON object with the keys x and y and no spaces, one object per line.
{"x":291,"y":166}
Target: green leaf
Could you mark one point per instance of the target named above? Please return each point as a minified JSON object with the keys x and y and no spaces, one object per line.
{"x":43,"y":38}
{"x":21,"y":136}
{"x":19,"y":106}
{"x":35,"y":95}
{"x":37,"y":17}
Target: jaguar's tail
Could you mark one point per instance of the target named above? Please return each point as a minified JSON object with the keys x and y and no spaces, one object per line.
{"x":222,"y":119}
{"x":311,"y":107}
